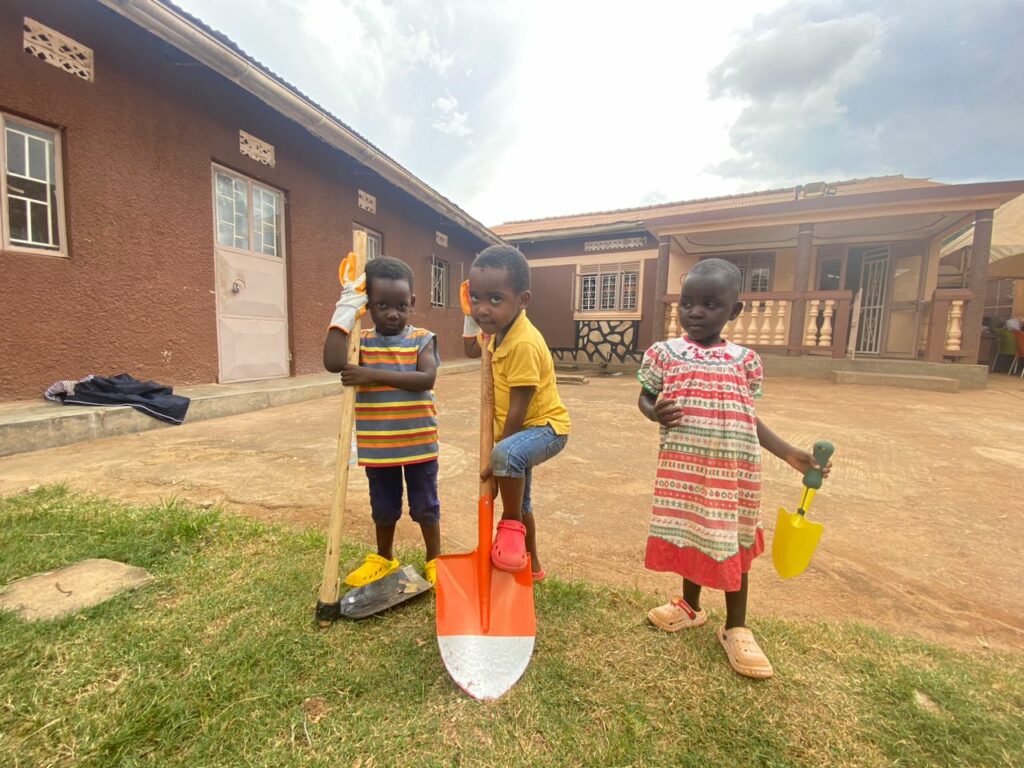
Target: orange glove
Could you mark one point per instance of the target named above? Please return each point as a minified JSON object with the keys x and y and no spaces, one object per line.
{"x":470,"y":330}
{"x":352,"y":304}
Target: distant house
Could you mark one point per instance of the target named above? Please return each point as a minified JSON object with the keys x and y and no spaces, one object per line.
{"x":173,"y":209}
{"x":829,"y":269}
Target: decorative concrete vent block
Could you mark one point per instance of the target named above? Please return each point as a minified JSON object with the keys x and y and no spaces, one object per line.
{"x":615,"y":245}
{"x":367,"y":201}
{"x":57,"y":49}
{"x":258,"y":150}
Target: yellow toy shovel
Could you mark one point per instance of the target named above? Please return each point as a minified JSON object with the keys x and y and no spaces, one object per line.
{"x":795,"y":537}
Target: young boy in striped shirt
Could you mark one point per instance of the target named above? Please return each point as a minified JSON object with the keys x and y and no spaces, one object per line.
{"x":396,"y":423}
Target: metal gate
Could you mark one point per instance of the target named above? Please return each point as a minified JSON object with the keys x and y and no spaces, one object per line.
{"x":872,"y":308}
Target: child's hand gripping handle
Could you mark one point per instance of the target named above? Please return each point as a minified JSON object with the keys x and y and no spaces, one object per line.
{"x":470,"y":330}
{"x":813,"y":478}
{"x":352,"y":304}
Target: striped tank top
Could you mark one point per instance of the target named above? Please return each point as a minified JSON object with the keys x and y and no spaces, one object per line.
{"x":394,"y":426}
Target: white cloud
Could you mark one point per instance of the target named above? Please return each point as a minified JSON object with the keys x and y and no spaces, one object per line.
{"x":448,"y":119}
{"x":550,"y":108}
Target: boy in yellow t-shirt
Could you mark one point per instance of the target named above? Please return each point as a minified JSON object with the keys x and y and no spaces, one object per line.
{"x":530,"y":420}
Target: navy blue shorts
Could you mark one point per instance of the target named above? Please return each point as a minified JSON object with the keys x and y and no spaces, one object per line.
{"x":386,"y":493}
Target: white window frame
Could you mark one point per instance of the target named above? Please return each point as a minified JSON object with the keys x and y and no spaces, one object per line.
{"x":608,"y":291}
{"x":754,"y":267}
{"x":374,"y":241}
{"x":252,"y":186}
{"x":55,"y":176}
{"x":440,"y":277}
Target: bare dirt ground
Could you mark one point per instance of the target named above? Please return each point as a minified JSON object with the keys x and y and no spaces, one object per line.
{"x":923,"y":512}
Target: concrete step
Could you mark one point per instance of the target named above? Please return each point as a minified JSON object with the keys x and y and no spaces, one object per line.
{"x":37,"y":424}
{"x":904,"y":381}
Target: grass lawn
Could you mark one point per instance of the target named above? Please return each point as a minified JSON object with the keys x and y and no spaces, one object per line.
{"x":219,"y":663}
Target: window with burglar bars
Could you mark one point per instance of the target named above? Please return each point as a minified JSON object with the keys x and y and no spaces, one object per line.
{"x":249,"y":216}
{"x":438,"y":282}
{"x":32,"y":215}
{"x":609,"y":288}
{"x":755,"y":268}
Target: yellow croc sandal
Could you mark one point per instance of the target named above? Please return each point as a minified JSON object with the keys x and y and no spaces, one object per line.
{"x":374,"y":567}
{"x":430,"y":572}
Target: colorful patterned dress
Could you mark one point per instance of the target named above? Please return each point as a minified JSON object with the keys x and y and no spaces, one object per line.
{"x":706,"y":521}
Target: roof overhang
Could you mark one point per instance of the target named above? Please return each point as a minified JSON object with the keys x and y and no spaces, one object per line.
{"x":618,"y":227}
{"x":952,"y":200}
{"x":184,"y":34}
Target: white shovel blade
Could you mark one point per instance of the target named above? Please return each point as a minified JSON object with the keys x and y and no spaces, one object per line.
{"x":485,"y":667}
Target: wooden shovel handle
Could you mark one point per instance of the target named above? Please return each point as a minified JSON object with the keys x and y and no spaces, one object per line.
{"x":329,"y":586}
{"x":486,"y":412}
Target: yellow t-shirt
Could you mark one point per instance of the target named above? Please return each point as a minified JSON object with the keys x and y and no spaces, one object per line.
{"x":523,"y":360}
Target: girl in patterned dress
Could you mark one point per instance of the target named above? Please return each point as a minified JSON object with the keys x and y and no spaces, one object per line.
{"x":706,"y":520}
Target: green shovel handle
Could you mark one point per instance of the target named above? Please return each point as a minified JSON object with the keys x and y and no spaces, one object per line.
{"x":822,"y":451}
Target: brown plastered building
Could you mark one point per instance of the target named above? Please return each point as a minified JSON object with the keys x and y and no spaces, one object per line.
{"x":182,"y":219}
{"x":841,"y":271}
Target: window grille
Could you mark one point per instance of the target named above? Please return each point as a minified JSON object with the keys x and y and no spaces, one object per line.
{"x":438,"y":282}
{"x":609,"y":288}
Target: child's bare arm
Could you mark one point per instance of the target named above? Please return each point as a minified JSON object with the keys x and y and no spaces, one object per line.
{"x":471,"y":346}
{"x":518,"y":402}
{"x":419,"y":380}
{"x":799,"y":460}
{"x":664,"y":411}
{"x":335,"y":350}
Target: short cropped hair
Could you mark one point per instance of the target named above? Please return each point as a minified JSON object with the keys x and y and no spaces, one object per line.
{"x":510,"y":259}
{"x":387,"y":268}
{"x":720,"y":269}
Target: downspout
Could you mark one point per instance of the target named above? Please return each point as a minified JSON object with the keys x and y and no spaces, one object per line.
{"x":164,"y":23}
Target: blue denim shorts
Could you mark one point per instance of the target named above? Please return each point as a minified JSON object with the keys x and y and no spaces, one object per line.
{"x":517,"y":454}
{"x":386,"y":493}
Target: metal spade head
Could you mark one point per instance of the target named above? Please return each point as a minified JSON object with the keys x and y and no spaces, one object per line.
{"x":485,"y":626}
{"x":394,"y":589}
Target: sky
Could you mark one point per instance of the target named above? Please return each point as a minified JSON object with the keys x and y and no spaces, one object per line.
{"x":519,"y":109}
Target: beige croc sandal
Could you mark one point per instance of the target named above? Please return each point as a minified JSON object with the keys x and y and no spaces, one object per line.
{"x":745,"y":655}
{"x":675,"y":615}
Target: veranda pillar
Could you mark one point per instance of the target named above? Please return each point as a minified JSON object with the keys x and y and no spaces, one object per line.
{"x":801,"y":279}
{"x":661,"y":287}
{"x":977,"y":276}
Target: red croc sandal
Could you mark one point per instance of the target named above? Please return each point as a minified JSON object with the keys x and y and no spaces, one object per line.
{"x":509,"y":549}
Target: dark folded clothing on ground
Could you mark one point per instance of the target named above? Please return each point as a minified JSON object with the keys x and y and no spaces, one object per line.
{"x":149,"y":397}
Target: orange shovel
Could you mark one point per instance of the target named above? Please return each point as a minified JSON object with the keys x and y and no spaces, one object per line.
{"x":485,"y":618}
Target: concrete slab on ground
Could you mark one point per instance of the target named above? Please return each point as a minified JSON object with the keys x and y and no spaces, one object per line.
{"x":71,"y":589}
{"x":922,"y":513}
{"x":37,"y":424}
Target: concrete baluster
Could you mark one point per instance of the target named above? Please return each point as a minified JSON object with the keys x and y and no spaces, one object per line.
{"x":811,"y":329}
{"x":826,"y":326}
{"x":780,"y":323}
{"x":672,"y":331}
{"x":953,"y":327}
{"x":766,"y":323}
